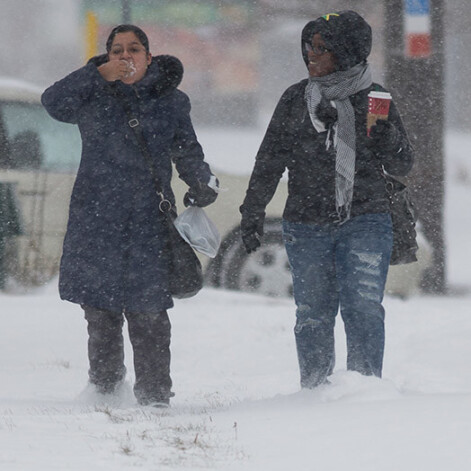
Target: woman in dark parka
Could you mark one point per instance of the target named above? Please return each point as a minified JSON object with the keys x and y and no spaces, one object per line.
{"x":336,"y":223}
{"x":114,"y":260}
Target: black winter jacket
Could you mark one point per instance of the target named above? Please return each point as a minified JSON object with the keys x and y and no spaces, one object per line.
{"x":291,"y":142}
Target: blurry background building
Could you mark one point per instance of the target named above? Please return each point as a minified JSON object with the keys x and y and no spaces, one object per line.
{"x":238,"y":55}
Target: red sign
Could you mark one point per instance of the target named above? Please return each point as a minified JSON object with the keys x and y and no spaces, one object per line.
{"x":418,"y":45}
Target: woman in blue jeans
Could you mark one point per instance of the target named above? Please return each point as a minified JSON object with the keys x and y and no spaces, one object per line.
{"x":336,"y":223}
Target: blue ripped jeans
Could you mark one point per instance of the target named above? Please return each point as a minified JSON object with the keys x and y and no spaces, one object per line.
{"x":339,"y":266}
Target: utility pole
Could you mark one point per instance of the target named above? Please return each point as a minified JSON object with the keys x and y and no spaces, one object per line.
{"x":126,"y":11}
{"x":415,"y":75}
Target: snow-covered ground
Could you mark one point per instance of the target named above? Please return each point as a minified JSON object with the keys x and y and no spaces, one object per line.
{"x":238,"y":406}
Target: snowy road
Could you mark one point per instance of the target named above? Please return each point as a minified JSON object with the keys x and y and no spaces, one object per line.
{"x":237,"y":404}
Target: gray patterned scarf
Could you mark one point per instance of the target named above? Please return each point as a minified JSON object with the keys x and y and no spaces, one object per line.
{"x":337,"y":87}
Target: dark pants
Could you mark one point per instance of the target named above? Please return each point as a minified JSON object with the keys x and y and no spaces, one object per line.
{"x":150,"y":339}
{"x":339,"y":266}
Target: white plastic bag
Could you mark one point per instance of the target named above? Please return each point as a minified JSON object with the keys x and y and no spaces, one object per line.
{"x":199,"y":231}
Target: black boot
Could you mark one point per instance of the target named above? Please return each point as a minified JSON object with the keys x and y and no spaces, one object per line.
{"x":150,"y":338}
{"x":105,"y":349}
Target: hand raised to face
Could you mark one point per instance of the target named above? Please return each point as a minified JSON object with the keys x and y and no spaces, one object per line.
{"x":117,"y":70}
{"x":127,"y":59}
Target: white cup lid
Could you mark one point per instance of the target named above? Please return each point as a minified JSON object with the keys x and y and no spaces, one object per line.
{"x":383,"y":95}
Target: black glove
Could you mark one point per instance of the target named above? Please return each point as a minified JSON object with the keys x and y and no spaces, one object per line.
{"x":252,"y":231}
{"x":200,"y":195}
{"x":384,"y":137}
{"x":326,"y":113}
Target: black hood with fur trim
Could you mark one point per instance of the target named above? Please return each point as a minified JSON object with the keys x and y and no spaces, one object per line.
{"x":345,"y":33}
{"x":165,"y":72}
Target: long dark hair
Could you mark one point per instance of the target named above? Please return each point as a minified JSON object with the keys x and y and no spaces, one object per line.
{"x":126,"y":29}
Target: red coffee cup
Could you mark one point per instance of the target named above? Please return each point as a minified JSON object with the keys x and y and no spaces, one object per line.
{"x":378,"y":108}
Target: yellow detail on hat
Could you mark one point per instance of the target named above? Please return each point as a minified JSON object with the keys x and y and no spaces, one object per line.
{"x":327,"y":17}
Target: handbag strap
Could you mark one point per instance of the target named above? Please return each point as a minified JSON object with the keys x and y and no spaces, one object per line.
{"x":165,"y":205}
{"x":392,"y":183}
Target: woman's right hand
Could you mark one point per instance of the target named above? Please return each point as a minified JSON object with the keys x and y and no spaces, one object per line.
{"x":116,"y":70}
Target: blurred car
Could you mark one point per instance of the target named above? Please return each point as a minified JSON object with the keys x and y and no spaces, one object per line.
{"x":38,"y":160}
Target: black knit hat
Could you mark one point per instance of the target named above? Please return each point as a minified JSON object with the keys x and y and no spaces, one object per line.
{"x":345,"y":33}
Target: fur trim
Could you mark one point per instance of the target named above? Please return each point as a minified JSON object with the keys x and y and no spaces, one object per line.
{"x":170,"y":70}
{"x":98,"y":60}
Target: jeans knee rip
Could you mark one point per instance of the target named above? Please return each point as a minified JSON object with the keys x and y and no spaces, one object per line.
{"x":369,"y":288}
{"x":304,"y":321}
{"x":369,"y":262}
{"x":369,"y":295}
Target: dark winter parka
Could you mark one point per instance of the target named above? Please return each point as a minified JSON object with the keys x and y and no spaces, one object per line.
{"x":114,"y":253}
{"x":291,"y":142}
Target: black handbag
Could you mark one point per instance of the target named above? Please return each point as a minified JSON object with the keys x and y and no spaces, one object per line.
{"x":403,"y":217}
{"x":185,"y":271}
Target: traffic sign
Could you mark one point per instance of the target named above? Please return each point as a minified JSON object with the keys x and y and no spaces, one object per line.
{"x":417,"y":28}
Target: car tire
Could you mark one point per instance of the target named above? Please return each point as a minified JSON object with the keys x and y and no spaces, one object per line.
{"x":265,"y":271}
